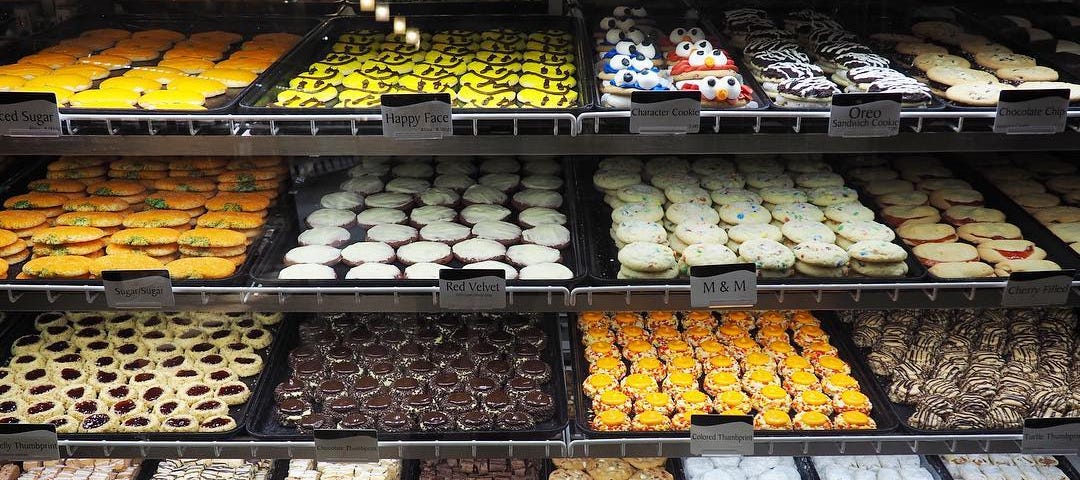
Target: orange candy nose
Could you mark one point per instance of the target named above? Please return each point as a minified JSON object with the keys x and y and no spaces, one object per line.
{"x":720,"y":94}
{"x":709,"y":61}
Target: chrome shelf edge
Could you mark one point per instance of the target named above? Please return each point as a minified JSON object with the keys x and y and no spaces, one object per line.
{"x":809,"y":445}
{"x":16,"y":297}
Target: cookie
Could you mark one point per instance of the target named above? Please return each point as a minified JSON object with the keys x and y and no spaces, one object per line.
{"x":96,"y":204}
{"x":200,"y":268}
{"x":776,"y":195}
{"x":1059,"y":214}
{"x":1007,"y":267}
{"x":425,"y":252}
{"x":930,"y":254}
{"x":446,"y":232}
{"x":825,"y":196}
{"x":818,"y":271}
{"x":980,"y":232}
{"x":343,"y":201}
{"x":976,"y":94}
{"x":124,"y":261}
{"x":961,"y":270}
{"x":997,"y":251}
{"x":158,"y":219}
{"x":729,"y":195}
{"x":899,"y":215}
{"x":314,"y":254}
{"x":479,"y":250}
{"x":376,"y":216}
{"x":235,"y":202}
{"x":307,"y":272}
{"x":474,"y":214}
{"x":211,"y":237}
{"x":1067,"y":232}
{"x":532,"y":217}
{"x":820,"y":254}
{"x":707,"y":254}
{"x":699,"y":232}
{"x":527,"y":254}
{"x":848,"y":212}
{"x":81,"y":248}
{"x":545,"y":271}
{"x":439,"y":196}
{"x":767,"y":254}
{"x":331,"y":217}
{"x":1035,"y":201}
{"x":65,"y":235}
{"x":963,"y":214}
{"x":797,"y":211}
{"x":885,"y":187}
{"x":392,"y":234}
{"x":888,"y":270}
{"x":511,"y":272}
{"x":16,"y":220}
{"x":994,"y":61}
{"x":368,"y":252}
{"x":373,"y":271}
{"x":552,"y":236}
{"x":35,"y":201}
{"x":737,"y":213}
{"x":799,"y":231}
{"x":145,"y":237}
{"x":70,"y":266}
{"x":330,"y":236}
{"x":647,"y":257}
{"x":876,"y":251}
{"x":918,"y":233}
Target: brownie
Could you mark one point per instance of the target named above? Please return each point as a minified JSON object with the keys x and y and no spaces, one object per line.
{"x":395,"y":420}
{"x":514,"y":420}
{"x":375,"y":353}
{"x":341,"y":406}
{"x":329,"y":390}
{"x":464,"y":367}
{"x":302,"y":354}
{"x":384,"y":371}
{"x":483,"y":352}
{"x":532,"y":336}
{"x":394,"y":339}
{"x":310,"y":372}
{"x":436,"y":422}
{"x":347,"y":372}
{"x":538,"y":404}
{"x":503,"y":341}
{"x":412,"y":351}
{"x":359,"y":336}
{"x":522,"y":352}
{"x":475,"y":420}
{"x":340,"y":354}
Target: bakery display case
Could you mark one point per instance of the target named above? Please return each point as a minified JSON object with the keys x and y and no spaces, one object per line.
{"x":898,"y":328}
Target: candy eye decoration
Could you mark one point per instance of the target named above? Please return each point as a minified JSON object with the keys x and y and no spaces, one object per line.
{"x":646,"y":48}
{"x":677,"y":35}
{"x":719,"y":57}
{"x":638,"y":12}
{"x":625,"y":78}
{"x":703,"y":45}
{"x":614,"y":36}
{"x":635,"y":35}
{"x":684,"y":49}
{"x":639,"y":62}
{"x":621,"y":11}
{"x":624,"y":47}
{"x":695,"y":33}
{"x":618,"y":63}
{"x":648,"y":80}
{"x":731,"y":87}
{"x":698,"y":58}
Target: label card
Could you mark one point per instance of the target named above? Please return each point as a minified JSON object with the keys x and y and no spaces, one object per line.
{"x":461,"y":289}
{"x":723,"y":285}
{"x":1032,"y":111}
{"x":417,"y":115}
{"x":865,"y":115}
{"x":1051,"y":435}
{"x":721,"y":435}
{"x":675,"y":111}
{"x":24,"y":114}
{"x":346,"y":446}
{"x":138,"y":288}
{"x":27,"y":441}
{"x":1026,"y":289}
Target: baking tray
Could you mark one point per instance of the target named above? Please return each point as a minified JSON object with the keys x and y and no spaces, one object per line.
{"x":264,"y":424}
{"x":802,"y":464}
{"x":240,"y":413}
{"x":1063,"y":463}
{"x":246,"y":25}
{"x":886,"y":420}
{"x":603,"y":255}
{"x":232,"y":7}
{"x":304,"y":199}
{"x":149,"y":468}
{"x":663,"y":24}
{"x":410,"y":469}
{"x":674,"y":466}
{"x":16,"y":185}
{"x":265,"y":89}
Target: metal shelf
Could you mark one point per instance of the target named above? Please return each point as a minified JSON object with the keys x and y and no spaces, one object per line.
{"x":15,"y":297}
{"x":895,"y":444}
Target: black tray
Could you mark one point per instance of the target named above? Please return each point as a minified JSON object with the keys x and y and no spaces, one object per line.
{"x":304,"y":199}
{"x":264,"y":425}
{"x":662,"y":24}
{"x":16,"y":185}
{"x":674,"y":466}
{"x":233,"y":7}
{"x":246,"y":25}
{"x":930,"y":462}
{"x":803,"y":464}
{"x":318,"y":44}
{"x":886,"y":421}
{"x":604,"y":263}
{"x":1063,"y":463}
{"x":410,"y":469}
{"x":149,"y":468}
{"x":240,"y":413}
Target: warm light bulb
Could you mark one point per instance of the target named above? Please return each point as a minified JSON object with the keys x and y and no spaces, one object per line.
{"x":399,"y":25}
{"x":382,"y":12}
{"x":367,"y":5}
{"x":412,"y":36}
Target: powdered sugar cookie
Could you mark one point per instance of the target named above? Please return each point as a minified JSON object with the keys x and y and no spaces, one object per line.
{"x":511,"y":272}
{"x":373,"y":271}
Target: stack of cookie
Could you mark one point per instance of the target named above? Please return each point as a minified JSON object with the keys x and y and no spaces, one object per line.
{"x":69,"y":189}
{"x":87,"y":170}
{"x":635,"y":55}
{"x":213,"y":242}
{"x":178,"y":220}
{"x":62,"y":241}
{"x":932,"y":211}
{"x":48,"y":204}
{"x":1046,"y":186}
{"x":108,"y":222}
{"x":669,"y":214}
{"x":24,"y":224}
{"x":971,"y":69}
{"x":192,"y":204}
{"x":158,"y":243}
{"x":590,"y":469}
{"x":138,"y":169}
{"x":131,"y":192}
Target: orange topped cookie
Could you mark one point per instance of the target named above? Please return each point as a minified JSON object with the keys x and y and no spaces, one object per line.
{"x":67,"y":234}
{"x":200,"y":268}
{"x":124,"y":261}
{"x":166,"y":200}
{"x":211,"y":237}
{"x":21,"y":220}
{"x":34,"y":200}
{"x":238,"y":202}
{"x":140,"y":237}
{"x":116,"y":188}
{"x":230,"y":220}
{"x":90,"y":219}
{"x":72,"y":266}
{"x":96,"y":204}
{"x":197,"y":163}
{"x":56,"y":186}
{"x":186,"y":184}
{"x":157,"y":218}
